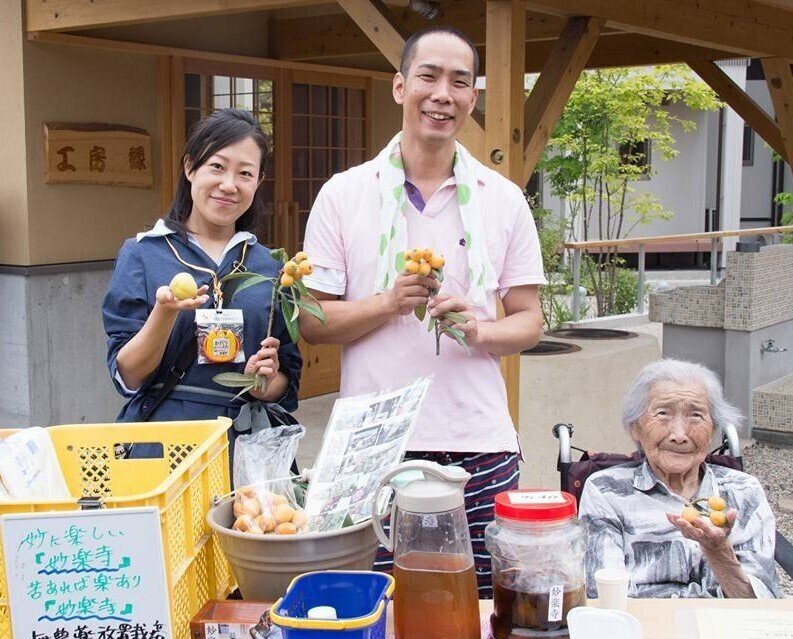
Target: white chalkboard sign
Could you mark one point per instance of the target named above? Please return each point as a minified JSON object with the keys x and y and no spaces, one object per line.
{"x":86,"y":574}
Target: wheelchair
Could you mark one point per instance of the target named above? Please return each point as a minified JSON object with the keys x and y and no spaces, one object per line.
{"x":573,"y":474}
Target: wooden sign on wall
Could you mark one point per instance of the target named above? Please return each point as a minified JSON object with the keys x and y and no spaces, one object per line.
{"x":96,"y":153}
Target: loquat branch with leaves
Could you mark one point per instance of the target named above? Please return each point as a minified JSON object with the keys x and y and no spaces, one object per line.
{"x":288,"y":295}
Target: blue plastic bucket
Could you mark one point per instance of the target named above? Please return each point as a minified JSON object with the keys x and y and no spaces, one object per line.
{"x":359,"y":597}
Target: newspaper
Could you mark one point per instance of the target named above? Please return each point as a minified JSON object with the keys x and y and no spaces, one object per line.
{"x":366,"y":437}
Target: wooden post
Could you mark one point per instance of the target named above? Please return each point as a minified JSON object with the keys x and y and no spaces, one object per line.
{"x":166,"y":180}
{"x":555,"y":84}
{"x":504,"y":99}
{"x":780,"y":86}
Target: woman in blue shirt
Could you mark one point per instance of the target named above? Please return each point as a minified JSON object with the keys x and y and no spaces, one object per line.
{"x":206,"y":232}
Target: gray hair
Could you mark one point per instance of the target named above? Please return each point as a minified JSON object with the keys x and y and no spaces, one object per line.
{"x":636,"y":399}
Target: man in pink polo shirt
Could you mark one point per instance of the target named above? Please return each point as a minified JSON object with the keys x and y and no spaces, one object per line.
{"x":425,"y":190}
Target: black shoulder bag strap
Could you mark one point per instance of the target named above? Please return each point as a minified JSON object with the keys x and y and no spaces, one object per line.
{"x":182,"y":364}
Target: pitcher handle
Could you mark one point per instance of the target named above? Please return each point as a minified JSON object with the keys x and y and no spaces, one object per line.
{"x":446,"y":473}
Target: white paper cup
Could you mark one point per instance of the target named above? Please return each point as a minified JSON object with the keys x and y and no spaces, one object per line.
{"x":612,"y":585}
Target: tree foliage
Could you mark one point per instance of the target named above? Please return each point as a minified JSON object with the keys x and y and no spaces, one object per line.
{"x":597,"y":152}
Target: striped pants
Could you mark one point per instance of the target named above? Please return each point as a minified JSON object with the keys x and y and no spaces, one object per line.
{"x":491,"y":473}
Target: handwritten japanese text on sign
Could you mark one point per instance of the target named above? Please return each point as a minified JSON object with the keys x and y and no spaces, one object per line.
{"x":86,"y":574}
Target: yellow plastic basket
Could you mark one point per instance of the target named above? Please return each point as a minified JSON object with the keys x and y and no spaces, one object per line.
{"x":194,"y":468}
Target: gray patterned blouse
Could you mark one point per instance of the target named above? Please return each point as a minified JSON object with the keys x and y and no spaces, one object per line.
{"x":625,"y":509}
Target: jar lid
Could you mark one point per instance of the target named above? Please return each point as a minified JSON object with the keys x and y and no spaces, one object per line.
{"x":535,"y":504}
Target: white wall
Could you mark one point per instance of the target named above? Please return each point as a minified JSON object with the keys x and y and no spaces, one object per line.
{"x":680,"y":184}
{"x":757,"y":179}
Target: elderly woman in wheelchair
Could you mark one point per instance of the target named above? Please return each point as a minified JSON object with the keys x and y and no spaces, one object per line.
{"x":672,"y":411}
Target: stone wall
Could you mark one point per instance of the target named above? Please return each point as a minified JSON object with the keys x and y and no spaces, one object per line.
{"x":756,"y":292}
{"x":759,"y":288}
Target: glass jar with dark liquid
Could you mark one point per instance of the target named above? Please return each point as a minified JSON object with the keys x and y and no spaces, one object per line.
{"x":537,"y":551}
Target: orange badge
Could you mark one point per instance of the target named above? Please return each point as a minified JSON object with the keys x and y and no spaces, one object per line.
{"x":221,"y":345}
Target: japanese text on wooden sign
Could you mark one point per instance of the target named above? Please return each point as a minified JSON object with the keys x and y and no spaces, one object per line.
{"x":94,"y":153}
{"x":86,"y":574}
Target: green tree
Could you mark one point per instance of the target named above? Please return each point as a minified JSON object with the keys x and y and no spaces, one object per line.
{"x":598,"y":150}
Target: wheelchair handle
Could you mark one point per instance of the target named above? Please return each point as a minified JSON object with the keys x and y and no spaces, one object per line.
{"x":563,"y":432}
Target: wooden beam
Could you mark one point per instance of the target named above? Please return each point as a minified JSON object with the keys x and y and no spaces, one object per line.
{"x":746,"y":27}
{"x":780,"y":85}
{"x":58,"y":15}
{"x":336,"y":35}
{"x":555,"y":84}
{"x":65,"y":39}
{"x":380,"y":26}
{"x":504,"y":98}
{"x":627,"y":50}
{"x":751,"y":112}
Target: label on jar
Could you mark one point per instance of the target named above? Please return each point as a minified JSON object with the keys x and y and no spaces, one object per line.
{"x":555,"y":602}
{"x":540,"y":497}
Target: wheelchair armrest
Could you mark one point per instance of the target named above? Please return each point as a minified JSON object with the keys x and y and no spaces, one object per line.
{"x":563,"y":432}
{"x":783,"y":554}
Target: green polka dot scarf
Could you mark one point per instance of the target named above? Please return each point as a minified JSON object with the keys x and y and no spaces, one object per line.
{"x":393,"y":221}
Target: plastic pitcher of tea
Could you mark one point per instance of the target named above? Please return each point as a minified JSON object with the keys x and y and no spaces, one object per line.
{"x":435,"y":595}
{"x":537,"y":548}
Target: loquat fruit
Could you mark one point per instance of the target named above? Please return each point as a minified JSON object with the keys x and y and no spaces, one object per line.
{"x":286,"y":528}
{"x":690,"y":514}
{"x":290,"y":268}
{"x":283,"y":513}
{"x":424,"y":269}
{"x":183,"y":286}
{"x":717,"y":503}
{"x":412,"y":267}
{"x":305,"y":268}
{"x":300,"y":256}
{"x":287,"y":280}
{"x":718,"y":518}
{"x":437,"y":262}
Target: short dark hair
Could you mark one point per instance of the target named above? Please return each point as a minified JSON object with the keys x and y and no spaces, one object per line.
{"x":408,"y":51}
{"x":207,"y":137}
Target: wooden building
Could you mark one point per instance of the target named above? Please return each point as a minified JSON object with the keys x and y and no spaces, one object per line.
{"x":318,"y":75}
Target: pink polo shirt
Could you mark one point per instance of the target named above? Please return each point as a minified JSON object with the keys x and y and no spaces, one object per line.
{"x":466,"y":406}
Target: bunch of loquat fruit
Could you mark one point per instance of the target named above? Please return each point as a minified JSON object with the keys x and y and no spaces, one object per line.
{"x":294,"y":269}
{"x":711,"y":507}
{"x":427,"y":263}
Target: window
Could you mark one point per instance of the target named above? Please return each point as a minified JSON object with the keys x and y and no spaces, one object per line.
{"x":638,"y":156}
{"x":328,"y":136}
{"x":748,"y":145}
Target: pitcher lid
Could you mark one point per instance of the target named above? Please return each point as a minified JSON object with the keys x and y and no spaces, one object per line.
{"x":430,"y":495}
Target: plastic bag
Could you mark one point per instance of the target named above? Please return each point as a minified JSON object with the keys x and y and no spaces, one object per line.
{"x":265,"y":498}
{"x":29,"y":467}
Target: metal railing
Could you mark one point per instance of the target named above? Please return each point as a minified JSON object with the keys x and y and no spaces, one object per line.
{"x":713,"y":236}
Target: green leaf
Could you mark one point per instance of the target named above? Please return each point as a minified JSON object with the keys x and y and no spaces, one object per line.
{"x":313,"y":310}
{"x":420,"y":312}
{"x":287,"y":308}
{"x":438,"y":273}
{"x":458,"y":335}
{"x":258,"y":279}
{"x":243,"y":391}
{"x":399,"y":262}
{"x":301,"y":289}
{"x":296,"y":311}
{"x":279,"y":254}
{"x":233,"y":380}
{"x":431,"y":324}
{"x":455,"y":318}
{"x":383,"y":243}
{"x":238,"y":276}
